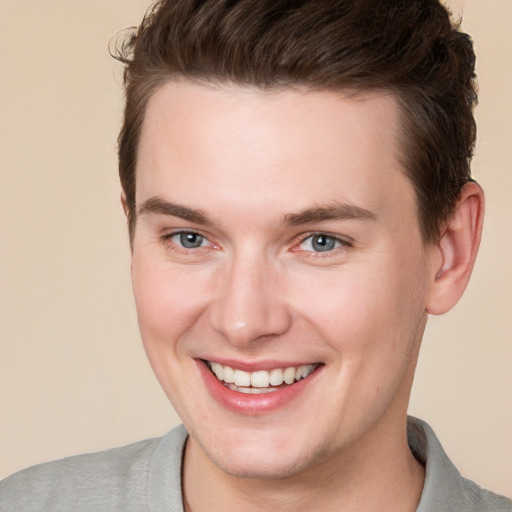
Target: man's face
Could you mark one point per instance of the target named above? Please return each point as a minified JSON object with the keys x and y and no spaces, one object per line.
{"x":277,"y":238}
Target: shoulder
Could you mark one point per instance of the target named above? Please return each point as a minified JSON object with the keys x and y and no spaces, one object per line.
{"x":483,"y":500}
{"x":79,"y":479}
{"x":445,"y":490}
{"x":114,"y":479}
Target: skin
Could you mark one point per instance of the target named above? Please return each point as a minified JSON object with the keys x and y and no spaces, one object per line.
{"x":257,"y":290}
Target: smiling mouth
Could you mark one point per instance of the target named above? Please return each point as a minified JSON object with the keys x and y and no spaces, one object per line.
{"x":261,"y":381}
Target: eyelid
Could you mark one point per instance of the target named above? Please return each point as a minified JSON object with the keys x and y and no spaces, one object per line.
{"x":168,"y":236}
{"x":174,"y":232}
{"x":342,"y":240}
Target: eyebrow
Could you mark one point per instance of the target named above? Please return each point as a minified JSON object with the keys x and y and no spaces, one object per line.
{"x":160,"y":206}
{"x":334,"y":212}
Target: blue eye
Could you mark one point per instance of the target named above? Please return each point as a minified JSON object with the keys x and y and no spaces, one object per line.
{"x":320,"y":242}
{"x":189,"y":239}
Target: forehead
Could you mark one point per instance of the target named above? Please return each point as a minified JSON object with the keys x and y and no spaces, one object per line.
{"x":269,"y":150}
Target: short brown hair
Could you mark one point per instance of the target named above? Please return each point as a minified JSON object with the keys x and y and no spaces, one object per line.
{"x":410,"y":48}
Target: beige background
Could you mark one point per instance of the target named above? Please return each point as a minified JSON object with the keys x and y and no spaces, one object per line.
{"x":73,"y":375}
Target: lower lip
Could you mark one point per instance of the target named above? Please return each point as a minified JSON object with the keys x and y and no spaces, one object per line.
{"x":250,"y":404}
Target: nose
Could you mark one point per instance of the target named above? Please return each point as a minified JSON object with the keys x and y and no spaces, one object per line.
{"x":250,"y":305}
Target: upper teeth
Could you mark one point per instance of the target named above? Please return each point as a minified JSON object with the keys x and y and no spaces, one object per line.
{"x":261,"y":378}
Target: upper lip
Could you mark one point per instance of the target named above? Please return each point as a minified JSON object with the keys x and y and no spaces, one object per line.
{"x":253,"y":366}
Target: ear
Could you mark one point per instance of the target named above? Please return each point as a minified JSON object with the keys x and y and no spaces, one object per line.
{"x":124,"y":204}
{"x":458,"y":247}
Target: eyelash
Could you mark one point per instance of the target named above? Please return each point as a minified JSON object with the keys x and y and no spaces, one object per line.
{"x":338,"y":243}
{"x":168,"y":240}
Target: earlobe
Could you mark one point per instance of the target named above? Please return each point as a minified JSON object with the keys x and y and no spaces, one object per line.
{"x":458,"y":247}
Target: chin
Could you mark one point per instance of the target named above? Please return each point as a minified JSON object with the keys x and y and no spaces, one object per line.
{"x":261,"y":468}
{"x":257,"y":455}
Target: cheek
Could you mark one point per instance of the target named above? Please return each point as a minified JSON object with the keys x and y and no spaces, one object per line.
{"x":168,"y":304}
{"x":168,"y":300}
{"x":364,"y":309}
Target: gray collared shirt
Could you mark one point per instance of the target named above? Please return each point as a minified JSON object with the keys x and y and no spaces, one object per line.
{"x":444,"y":489}
{"x":146,"y":476}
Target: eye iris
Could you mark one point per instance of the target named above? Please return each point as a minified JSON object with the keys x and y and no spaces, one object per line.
{"x":191,"y":240}
{"x":322,"y":243}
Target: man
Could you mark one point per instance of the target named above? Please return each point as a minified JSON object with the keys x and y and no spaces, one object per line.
{"x":296,"y":182}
